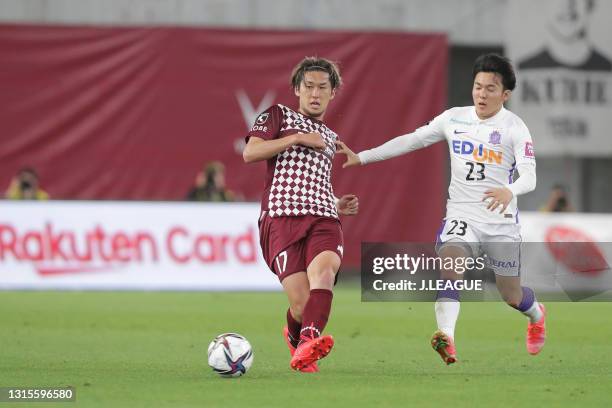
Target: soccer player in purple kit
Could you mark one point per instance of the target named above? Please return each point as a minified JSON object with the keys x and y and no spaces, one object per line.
{"x":487,"y":144}
{"x":300,"y":233}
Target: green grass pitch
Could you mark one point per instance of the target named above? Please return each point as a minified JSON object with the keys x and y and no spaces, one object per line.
{"x":149,"y":350}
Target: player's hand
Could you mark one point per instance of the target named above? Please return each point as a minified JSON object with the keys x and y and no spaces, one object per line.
{"x":352,"y":159}
{"x":348,"y":204}
{"x":498,"y":196}
{"x":313,"y":140}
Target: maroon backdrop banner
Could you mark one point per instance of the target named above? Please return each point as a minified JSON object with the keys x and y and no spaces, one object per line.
{"x":134,"y":113}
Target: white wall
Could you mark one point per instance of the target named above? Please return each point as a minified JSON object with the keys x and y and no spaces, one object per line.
{"x":475,"y":22}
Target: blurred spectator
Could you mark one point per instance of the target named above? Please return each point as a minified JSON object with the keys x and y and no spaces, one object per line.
{"x":210,"y":185}
{"x":25,"y":186}
{"x":558,"y":200}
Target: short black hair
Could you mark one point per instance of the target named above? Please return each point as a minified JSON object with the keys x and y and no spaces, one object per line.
{"x":309,"y":64}
{"x":497,"y":64}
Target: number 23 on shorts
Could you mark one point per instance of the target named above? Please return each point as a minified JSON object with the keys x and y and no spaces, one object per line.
{"x":458,"y":229}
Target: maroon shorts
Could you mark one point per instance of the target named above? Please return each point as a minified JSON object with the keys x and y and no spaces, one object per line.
{"x":289,"y":244}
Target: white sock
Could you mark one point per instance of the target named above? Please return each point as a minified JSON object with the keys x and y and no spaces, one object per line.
{"x":447,"y":312}
{"x":534,"y":313}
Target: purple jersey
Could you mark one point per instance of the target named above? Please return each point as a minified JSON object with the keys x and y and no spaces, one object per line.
{"x":298,"y":180}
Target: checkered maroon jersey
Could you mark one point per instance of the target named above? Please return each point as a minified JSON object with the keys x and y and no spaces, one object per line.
{"x":298,"y":180}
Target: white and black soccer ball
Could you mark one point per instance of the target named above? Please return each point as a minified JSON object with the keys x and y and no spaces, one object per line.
{"x":230,"y":355}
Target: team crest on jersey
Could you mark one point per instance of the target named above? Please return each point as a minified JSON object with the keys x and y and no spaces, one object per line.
{"x":262,"y":118}
{"x":495,"y":137}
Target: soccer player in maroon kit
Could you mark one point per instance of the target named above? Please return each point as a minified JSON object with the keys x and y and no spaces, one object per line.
{"x":300,"y":233}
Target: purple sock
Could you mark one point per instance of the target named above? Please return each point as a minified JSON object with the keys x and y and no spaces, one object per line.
{"x":527,"y":301}
{"x":448,"y":293}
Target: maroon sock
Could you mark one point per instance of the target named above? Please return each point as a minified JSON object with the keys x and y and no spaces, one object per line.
{"x":294,"y":329}
{"x":316,"y":313}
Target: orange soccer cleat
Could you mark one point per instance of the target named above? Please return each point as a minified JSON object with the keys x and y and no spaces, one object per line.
{"x":536,"y":334}
{"x":309,"y":351}
{"x":312,"y":368}
{"x":444,"y":346}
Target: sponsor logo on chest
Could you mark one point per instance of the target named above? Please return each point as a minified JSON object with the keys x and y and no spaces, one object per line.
{"x":478,"y":152}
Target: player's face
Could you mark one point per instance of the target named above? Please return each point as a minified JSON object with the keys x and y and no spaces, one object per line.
{"x":315,"y":92}
{"x":488,"y":94}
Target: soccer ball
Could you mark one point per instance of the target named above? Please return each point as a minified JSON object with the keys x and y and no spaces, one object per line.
{"x":230,"y":355}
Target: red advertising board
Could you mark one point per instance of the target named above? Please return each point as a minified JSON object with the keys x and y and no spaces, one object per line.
{"x":135,"y":112}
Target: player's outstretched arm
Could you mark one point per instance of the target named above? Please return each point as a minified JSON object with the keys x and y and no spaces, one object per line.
{"x":258,"y":149}
{"x":424,"y":136}
{"x":393,"y":148}
{"x":352,"y":159}
{"x":348,"y":204}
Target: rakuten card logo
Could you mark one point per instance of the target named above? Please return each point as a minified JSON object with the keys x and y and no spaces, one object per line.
{"x":55,"y":251}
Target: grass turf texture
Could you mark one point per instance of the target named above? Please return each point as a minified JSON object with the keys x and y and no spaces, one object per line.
{"x":149,"y":349}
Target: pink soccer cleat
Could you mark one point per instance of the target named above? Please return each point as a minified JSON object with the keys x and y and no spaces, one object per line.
{"x":311,"y":350}
{"x":312,"y":368}
{"x":444,"y":346}
{"x":536,"y":334}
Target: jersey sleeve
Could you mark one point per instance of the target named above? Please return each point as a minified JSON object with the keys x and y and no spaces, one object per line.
{"x":524,"y":156}
{"x":422,"y":137}
{"x":267,"y":125}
